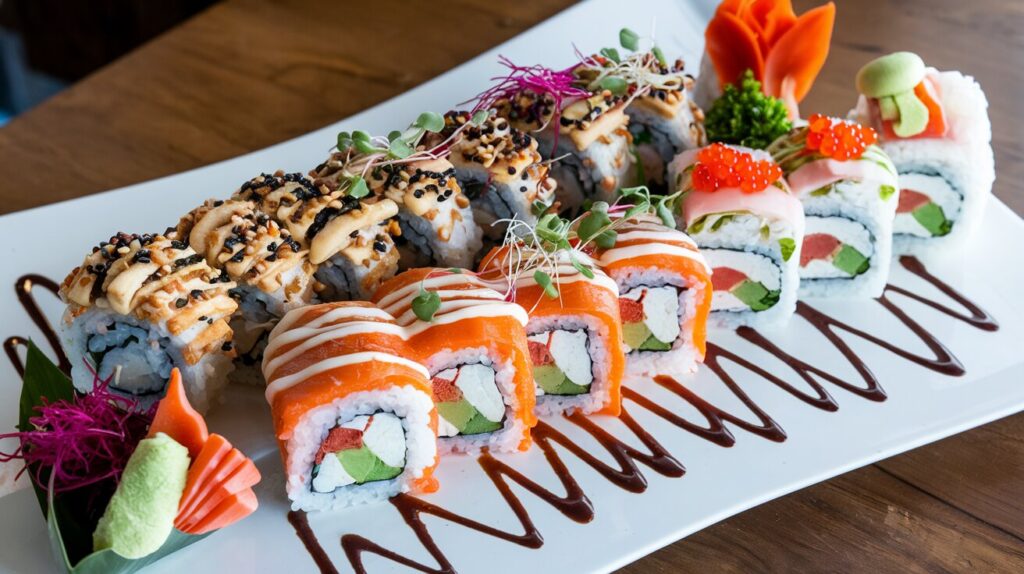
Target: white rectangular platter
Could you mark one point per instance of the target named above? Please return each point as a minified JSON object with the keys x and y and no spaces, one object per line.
{"x":845,"y":384}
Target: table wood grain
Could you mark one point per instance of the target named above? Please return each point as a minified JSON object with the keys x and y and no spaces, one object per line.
{"x":246,"y":74}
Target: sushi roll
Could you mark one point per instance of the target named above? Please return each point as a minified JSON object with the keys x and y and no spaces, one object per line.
{"x":935,"y":127}
{"x":574,"y":332}
{"x":437,"y":224}
{"x":349,"y":239}
{"x":141,"y":305}
{"x":750,"y":228}
{"x":663,"y":118}
{"x":474,"y":346}
{"x":664,"y":296}
{"x":272,"y":273}
{"x":589,"y":137}
{"x":849,"y":191}
{"x":499,"y":170}
{"x":352,"y":413}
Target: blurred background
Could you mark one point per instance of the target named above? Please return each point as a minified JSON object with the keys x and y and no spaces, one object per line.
{"x":46,"y":45}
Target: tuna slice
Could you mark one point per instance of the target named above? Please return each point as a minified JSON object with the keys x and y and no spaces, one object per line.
{"x":445,"y":390}
{"x":818,"y":246}
{"x":911,"y":200}
{"x":339,"y":439}
{"x":725,"y":278}
{"x":539,"y":353}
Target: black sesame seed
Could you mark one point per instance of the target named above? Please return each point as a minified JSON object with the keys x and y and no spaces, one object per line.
{"x":511,"y":170}
{"x":181,"y":303}
{"x":523,"y":189}
{"x":380,"y":246}
{"x":226,"y":346}
{"x":202,"y":317}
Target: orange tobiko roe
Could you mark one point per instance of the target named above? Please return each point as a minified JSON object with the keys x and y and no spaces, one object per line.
{"x":838,"y":139}
{"x":720,"y":166}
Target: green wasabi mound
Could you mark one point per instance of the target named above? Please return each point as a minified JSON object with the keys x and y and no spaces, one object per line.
{"x":890,"y":75}
{"x":891,"y":79}
{"x":141,"y":513}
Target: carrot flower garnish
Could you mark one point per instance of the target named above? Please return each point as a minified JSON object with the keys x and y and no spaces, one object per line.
{"x":784,"y":51}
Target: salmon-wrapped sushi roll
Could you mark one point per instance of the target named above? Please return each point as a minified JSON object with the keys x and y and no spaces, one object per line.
{"x":475,"y":349}
{"x":574,"y":330}
{"x":664,"y":296}
{"x":353,"y":414}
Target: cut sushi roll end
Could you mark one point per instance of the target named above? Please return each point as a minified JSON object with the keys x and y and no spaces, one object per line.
{"x":561,"y":362}
{"x":468,"y":401}
{"x":367,"y":448}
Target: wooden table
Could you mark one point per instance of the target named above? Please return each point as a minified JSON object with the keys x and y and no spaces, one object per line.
{"x":247,"y":74}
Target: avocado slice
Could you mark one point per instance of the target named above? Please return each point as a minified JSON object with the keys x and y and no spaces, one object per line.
{"x":479,"y":424}
{"x":458,"y":413}
{"x":850,"y":261}
{"x":635,"y":334}
{"x":364,"y":466}
{"x":653,"y":344}
{"x":756,"y":295}
{"x":932,"y":218}
{"x":554,"y":382}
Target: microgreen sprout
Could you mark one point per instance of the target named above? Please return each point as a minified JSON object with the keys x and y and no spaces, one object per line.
{"x":540,"y":249}
{"x":425,"y":304}
{"x":359,"y":153}
{"x":634,"y":75}
{"x":558,"y":85}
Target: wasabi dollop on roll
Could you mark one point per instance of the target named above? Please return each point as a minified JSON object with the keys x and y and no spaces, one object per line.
{"x":935,"y":127}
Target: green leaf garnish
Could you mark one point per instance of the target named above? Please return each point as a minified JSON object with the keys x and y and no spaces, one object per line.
{"x":594,"y":222}
{"x":344,"y":140}
{"x":544,"y":280}
{"x":426,"y":304}
{"x":393,"y":135}
{"x":665,"y":214}
{"x":430,"y":121}
{"x":611,"y":53}
{"x":614,"y":85}
{"x":886,"y":191}
{"x":660,"y":56}
{"x":479,"y":118}
{"x":606,"y":240}
{"x":538,"y":208}
{"x":400,"y":149}
{"x":583,"y":269}
{"x":787,"y":246}
{"x":357,"y":187}
{"x":455,"y":270}
{"x":629,"y":39}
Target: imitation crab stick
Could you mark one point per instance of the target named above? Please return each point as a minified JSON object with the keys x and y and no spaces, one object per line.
{"x":176,"y":418}
{"x":784,"y":51}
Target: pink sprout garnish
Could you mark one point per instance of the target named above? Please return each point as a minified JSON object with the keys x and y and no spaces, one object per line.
{"x":538,"y":79}
{"x":81,"y":442}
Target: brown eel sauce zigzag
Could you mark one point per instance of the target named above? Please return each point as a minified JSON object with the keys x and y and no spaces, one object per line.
{"x":625,"y":472}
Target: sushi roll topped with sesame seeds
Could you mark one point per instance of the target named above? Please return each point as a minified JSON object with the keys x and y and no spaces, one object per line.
{"x":140,"y":305}
{"x":349,"y":238}
{"x":500,"y":170}
{"x":663,"y":118}
{"x":583,"y":125}
{"x":436,"y":222}
{"x":272,"y":272}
